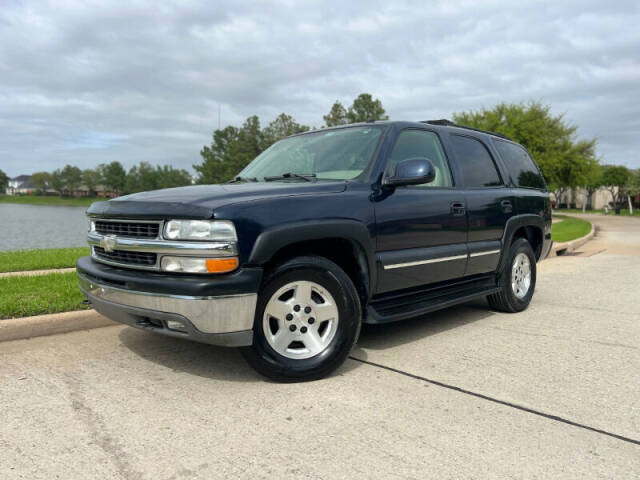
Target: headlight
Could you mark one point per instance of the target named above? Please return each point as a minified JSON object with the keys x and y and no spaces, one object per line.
{"x":199,"y":265}
{"x":221,"y":230}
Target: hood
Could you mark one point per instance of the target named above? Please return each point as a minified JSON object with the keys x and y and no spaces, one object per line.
{"x":201,"y":201}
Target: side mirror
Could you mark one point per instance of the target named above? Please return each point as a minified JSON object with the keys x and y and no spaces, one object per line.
{"x":414,"y":171}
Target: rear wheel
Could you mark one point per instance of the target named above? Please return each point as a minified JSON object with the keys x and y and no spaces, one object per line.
{"x":518,"y":279}
{"x":307,"y":320}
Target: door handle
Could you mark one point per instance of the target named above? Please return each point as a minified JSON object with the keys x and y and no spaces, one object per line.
{"x":506,"y":205}
{"x":457,"y":208}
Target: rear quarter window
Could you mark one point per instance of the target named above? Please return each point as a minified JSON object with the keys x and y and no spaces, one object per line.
{"x":520,"y":165}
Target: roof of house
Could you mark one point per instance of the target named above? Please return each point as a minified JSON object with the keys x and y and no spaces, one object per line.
{"x":24,"y":181}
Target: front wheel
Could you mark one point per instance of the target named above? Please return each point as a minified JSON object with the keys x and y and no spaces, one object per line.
{"x":518,"y":279}
{"x":307,"y":320}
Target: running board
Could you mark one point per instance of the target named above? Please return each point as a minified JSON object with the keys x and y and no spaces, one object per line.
{"x":418,"y":303}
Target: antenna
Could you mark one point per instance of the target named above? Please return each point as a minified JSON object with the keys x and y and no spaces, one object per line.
{"x":219,"y":111}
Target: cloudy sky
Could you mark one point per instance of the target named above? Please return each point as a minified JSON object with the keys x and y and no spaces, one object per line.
{"x":85,"y":83}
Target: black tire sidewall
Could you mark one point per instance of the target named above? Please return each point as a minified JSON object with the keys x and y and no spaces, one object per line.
{"x":325,"y":273}
{"x":520,"y":246}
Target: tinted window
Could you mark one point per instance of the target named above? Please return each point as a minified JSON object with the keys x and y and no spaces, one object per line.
{"x":419,"y":143}
{"x":520,"y":165}
{"x":476,"y":163}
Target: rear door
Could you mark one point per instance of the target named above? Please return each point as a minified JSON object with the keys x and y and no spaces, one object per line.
{"x":421,"y":230}
{"x":489,"y":202}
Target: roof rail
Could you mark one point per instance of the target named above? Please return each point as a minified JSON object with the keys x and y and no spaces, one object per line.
{"x":448,"y":123}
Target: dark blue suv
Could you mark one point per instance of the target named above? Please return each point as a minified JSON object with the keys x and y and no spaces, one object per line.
{"x":324,"y":231}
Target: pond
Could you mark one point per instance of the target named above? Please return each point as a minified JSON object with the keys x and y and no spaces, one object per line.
{"x":36,"y":226}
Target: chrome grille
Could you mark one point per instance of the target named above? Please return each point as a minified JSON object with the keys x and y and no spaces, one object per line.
{"x":126,"y":257}
{"x":138,"y":244}
{"x":128,"y":229}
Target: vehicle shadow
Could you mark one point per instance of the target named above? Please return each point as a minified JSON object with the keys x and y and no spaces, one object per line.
{"x":227,"y":364}
{"x":199,"y":359}
{"x":185,"y":356}
{"x":389,"y":335}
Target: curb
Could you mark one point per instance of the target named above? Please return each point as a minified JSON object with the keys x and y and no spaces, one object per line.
{"x":51,"y":324}
{"x":566,"y":247}
{"x":33,"y":273}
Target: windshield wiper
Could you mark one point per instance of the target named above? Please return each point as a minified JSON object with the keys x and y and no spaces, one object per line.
{"x":243,"y":179}
{"x":309,"y":177}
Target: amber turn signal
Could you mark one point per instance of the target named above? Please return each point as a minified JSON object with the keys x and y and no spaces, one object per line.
{"x":222,"y":265}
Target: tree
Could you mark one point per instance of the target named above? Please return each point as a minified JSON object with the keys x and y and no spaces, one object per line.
{"x":614,"y":178}
{"x":144,"y":177}
{"x":42,"y":180}
{"x":4,"y":182}
{"x":113,"y":176}
{"x":169,"y":177}
{"x":365,"y":108}
{"x":91,"y":179}
{"x":141,"y":178}
{"x":56,"y":181}
{"x":632,"y":188}
{"x":218,"y":162}
{"x":550,"y":140}
{"x":71,"y":178}
{"x":574,"y":168}
{"x":232,"y":149}
{"x":283,"y":126}
{"x":593,"y":183}
{"x":336,"y":116}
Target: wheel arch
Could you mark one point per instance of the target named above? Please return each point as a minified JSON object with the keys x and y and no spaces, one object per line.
{"x":529,"y":227}
{"x":346,"y":242}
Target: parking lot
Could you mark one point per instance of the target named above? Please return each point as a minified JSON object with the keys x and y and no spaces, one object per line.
{"x":553,"y":392}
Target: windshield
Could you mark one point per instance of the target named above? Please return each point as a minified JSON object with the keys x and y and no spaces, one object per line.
{"x":341,"y":154}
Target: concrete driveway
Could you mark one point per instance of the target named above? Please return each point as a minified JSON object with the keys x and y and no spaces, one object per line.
{"x":553,"y":392}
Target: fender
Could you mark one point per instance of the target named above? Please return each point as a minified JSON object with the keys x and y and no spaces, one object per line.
{"x":512,"y":225}
{"x":276,"y":238}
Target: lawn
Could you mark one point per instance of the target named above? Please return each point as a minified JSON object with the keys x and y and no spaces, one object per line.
{"x":20,"y":260}
{"x":569,"y":229}
{"x":25,"y":296}
{"x":52,"y":200}
{"x":624,"y":211}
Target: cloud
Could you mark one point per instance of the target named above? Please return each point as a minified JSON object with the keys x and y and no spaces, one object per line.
{"x":85,"y":83}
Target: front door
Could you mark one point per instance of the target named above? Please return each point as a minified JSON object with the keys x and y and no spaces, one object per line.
{"x":421,"y":230}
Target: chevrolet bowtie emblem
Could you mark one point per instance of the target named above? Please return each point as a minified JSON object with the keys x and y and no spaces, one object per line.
{"x":109,"y":243}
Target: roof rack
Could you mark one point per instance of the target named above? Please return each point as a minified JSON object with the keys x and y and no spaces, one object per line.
{"x":448,"y":123}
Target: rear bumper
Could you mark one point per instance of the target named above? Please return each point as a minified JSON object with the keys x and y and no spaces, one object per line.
{"x":225,"y":318}
{"x":547,"y":244}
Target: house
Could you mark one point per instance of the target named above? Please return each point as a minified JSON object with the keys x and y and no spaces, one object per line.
{"x":574,"y":198}
{"x":21,"y":185}
{"x":102,"y":191}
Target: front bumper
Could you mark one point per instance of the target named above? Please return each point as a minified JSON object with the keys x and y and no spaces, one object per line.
{"x":225,"y":318}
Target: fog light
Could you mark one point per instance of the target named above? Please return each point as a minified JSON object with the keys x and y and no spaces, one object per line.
{"x":199,"y":265}
{"x":176,"y":325}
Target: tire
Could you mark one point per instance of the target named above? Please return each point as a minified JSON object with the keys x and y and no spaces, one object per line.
{"x":512,"y":298}
{"x":317,"y":347}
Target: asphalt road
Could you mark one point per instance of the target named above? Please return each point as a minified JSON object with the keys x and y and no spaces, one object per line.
{"x":553,"y":392}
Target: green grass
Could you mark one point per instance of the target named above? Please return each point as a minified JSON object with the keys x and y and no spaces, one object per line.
{"x":52,"y":200}
{"x":569,"y":229}
{"x":21,"y":260}
{"x":625,"y":211}
{"x":26,"y":296}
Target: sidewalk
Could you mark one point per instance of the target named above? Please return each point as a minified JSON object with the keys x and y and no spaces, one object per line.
{"x":33,"y":273}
